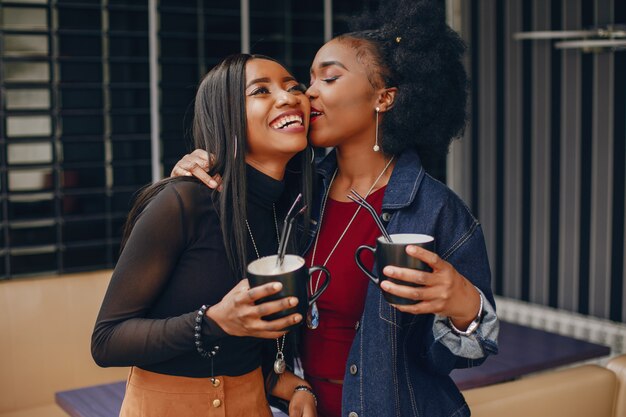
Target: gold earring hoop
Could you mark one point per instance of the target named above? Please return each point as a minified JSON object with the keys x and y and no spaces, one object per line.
{"x":376,"y":147}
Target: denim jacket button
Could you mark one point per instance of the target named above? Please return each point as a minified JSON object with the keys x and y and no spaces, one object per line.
{"x":386,"y":216}
{"x":353,"y":369}
{"x":353,"y":414}
{"x":357,"y":325}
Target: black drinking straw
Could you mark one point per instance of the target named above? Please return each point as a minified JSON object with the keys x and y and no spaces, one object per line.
{"x":282,"y":243}
{"x":357,"y":198}
{"x":281,"y":254}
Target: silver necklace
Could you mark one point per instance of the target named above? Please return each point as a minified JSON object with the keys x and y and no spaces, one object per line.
{"x":313,"y":316}
{"x":279,"y":363}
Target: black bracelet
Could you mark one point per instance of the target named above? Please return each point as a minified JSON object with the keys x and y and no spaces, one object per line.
{"x":198,"y":335}
{"x":307,"y":389}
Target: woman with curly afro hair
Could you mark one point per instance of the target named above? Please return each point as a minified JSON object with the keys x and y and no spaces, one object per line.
{"x":389,"y":97}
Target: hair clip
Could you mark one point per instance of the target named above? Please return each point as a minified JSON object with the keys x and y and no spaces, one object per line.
{"x":398,"y":39}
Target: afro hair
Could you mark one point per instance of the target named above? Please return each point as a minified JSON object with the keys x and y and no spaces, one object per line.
{"x":409,"y":46}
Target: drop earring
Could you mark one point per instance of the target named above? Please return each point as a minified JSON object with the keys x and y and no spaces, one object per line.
{"x":376,"y":147}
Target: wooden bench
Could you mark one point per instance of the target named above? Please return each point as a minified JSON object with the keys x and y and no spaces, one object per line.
{"x":523,"y":350}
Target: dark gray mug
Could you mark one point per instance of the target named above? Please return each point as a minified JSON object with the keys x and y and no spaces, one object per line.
{"x":295,"y":277}
{"x":394,"y":254}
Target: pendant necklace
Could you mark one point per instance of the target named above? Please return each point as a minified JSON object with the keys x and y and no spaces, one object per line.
{"x":279,"y":363}
{"x":313,"y":315}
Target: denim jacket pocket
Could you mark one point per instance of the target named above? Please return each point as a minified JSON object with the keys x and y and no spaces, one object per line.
{"x":386,"y":311}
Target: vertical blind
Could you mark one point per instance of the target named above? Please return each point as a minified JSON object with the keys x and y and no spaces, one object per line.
{"x":545,"y":154}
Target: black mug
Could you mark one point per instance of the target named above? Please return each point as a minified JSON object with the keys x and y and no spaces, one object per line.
{"x":295,"y":277}
{"x":394,"y":254}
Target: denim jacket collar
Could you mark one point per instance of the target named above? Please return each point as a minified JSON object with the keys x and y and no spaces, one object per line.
{"x":404,"y":177}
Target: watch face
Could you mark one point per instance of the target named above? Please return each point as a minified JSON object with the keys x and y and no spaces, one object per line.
{"x":472,"y":327}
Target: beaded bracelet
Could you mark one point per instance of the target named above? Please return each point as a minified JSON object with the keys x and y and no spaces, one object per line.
{"x":198,"y":335}
{"x":307,"y":389}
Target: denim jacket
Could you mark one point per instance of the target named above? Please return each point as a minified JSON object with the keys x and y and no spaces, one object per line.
{"x":399,"y":363}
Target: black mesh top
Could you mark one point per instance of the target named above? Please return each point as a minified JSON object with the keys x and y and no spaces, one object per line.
{"x":175,"y":261}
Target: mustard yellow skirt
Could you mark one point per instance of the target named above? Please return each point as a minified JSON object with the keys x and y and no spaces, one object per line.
{"x":149,"y":394}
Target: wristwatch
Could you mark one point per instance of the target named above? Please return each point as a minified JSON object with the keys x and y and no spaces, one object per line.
{"x":474,"y":324}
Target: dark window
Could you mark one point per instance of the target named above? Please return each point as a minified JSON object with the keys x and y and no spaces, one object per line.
{"x":75,"y":117}
{"x":72,"y":83}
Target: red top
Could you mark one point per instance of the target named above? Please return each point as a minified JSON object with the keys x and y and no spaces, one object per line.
{"x":325,"y":349}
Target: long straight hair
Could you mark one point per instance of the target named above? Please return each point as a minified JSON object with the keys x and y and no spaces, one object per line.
{"x":219,"y":127}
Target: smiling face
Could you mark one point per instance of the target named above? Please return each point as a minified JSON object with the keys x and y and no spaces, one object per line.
{"x":342,"y":96}
{"x":277,"y":114}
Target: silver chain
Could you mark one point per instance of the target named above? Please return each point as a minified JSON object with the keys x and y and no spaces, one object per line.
{"x":319,"y":229}
{"x":256,"y":250}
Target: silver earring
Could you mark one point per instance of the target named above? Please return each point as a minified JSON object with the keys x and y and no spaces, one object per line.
{"x":235,"y":153}
{"x":376,"y":147}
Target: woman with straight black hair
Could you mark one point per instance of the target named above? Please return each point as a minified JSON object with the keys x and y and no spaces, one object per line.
{"x":177,"y":309}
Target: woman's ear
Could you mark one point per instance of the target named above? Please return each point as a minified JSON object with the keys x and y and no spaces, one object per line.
{"x":386,"y":99}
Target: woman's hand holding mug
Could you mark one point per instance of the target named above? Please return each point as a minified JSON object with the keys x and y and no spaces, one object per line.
{"x":444,"y":291}
{"x":238,"y":315}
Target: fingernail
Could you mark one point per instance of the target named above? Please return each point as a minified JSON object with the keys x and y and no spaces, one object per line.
{"x":297,"y":318}
{"x":389,"y":270}
{"x":212,"y":183}
{"x":277,"y":286}
{"x":384,"y":285}
{"x":411,"y":249}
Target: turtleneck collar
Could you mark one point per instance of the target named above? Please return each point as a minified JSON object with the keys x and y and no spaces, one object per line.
{"x":263,"y":190}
